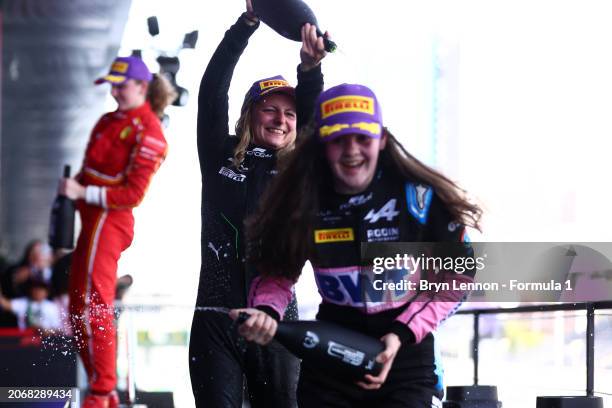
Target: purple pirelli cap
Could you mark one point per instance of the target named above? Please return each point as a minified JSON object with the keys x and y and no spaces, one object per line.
{"x":268,"y":86}
{"x":346,"y":109}
{"x":125,"y":68}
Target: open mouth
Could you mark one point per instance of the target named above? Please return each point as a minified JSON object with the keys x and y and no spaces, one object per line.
{"x":276,"y":131}
{"x":352,"y":164}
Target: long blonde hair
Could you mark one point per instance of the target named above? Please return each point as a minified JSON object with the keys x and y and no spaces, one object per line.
{"x":245,"y":136}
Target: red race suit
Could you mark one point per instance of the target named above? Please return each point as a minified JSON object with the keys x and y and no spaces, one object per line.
{"x":124,"y":151}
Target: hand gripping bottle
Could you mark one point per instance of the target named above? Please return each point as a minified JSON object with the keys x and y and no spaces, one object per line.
{"x":287,"y":17}
{"x":329,"y":347}
{"x":61,"y":229}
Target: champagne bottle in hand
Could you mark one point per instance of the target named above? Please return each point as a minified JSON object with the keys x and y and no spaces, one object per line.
{"x":61,"y":228}
{"x":287,"y":17}
{"x":329,"y":347}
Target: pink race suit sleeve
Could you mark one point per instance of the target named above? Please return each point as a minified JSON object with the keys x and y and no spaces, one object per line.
{"x":273,"y":292}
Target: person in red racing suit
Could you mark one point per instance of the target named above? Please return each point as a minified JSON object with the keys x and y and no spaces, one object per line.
{"x":359,"y":186}
{"x":125,"y":149}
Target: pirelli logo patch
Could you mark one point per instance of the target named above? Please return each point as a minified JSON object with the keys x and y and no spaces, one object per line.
{"x":348,"y":103}
{"x":334,"y":235}
{"x":273,"y":83}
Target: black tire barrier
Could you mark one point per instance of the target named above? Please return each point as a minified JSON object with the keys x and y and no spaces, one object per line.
{"x":473,"y":396}
{"x":569,"y":402}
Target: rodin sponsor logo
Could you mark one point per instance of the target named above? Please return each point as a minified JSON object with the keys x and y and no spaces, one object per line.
{"x":382,"y":234}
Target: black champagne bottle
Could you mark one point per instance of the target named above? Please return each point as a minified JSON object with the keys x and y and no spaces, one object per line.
{"x":330,"y":347}
{"x":287,"y":17}
{"x":61,"y":228}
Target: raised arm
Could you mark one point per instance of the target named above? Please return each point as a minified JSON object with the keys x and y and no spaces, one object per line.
{"x":309,"y":75}
{"x":214,"y":87}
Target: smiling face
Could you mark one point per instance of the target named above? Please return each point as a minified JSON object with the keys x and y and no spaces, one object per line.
{"x":352,"y":159}
{"x":273,"y":121}
{"x":130,"y":94}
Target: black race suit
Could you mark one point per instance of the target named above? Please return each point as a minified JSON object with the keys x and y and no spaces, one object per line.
{"x":217,"y":358}
{"x":392,"y":209}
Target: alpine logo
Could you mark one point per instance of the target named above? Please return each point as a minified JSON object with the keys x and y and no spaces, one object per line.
{"x":259,"y":152}
{"x":387,"y":211}
{"x":224,"y":171}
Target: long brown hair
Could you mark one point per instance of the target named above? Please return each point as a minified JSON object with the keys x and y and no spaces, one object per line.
{"x":160,"y":94}
{"x":280,"y":233}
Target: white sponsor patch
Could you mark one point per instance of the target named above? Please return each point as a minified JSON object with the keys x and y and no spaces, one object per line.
{"x":356,"y":201}
{"x":259,"y":152}
{"x":224,"y":171}
{"x":383,"y":234}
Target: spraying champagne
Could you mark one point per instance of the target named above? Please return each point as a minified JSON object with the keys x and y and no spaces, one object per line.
{"x":286,"y":17}
{"x":329,"y":346}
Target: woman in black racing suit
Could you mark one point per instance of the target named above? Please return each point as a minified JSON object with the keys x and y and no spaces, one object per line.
{"x":235,"y":171}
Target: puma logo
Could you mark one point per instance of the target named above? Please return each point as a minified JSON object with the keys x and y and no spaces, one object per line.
{"x":215,"y":250}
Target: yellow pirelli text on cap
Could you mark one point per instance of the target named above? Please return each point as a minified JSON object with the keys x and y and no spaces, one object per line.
{"x":120,"y":67}
{"x":371,"y":127}
{"x":347,"y":103}
{"x":334,"y":235}
{"x":272,"y":83}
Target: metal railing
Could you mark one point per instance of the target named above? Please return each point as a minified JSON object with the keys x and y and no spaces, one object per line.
{"x":589,"y":307}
